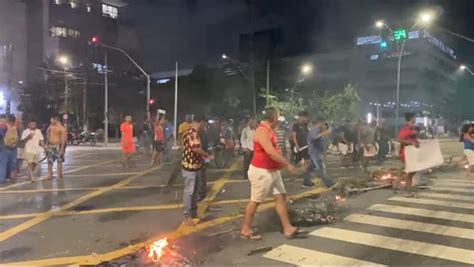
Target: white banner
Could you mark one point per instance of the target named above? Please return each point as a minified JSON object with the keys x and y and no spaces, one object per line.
{"x":427,"y":156}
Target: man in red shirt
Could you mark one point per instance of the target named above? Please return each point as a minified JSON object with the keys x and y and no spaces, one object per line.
{"x":408,"y":136}
{"x":264,"y":177}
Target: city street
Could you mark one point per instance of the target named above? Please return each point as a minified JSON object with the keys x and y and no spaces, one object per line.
{"x":100,"y":213}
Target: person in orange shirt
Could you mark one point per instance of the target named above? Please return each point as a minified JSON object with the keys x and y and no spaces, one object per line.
{"x":158,"y":140}
{"x":128,"y":145}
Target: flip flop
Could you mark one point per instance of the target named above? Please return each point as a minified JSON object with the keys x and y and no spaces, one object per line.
{"x":298,"y":233}
{"x":252,"y":236}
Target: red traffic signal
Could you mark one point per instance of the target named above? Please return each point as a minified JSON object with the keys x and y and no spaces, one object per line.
{"x":152,"y":101}
{"x":95,"y":40}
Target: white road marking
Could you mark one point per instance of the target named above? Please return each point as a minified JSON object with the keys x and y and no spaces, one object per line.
{"x":411,"y":225}
{"x":307,"y":257}
{"x":445,"y":215}
{"x":446,"y":196}
{"x":452,"y":189}
{"x":442,"y":203}
{"x":398,"y":244}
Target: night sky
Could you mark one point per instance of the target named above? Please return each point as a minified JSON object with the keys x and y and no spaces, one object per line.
{"x":199,"y":31}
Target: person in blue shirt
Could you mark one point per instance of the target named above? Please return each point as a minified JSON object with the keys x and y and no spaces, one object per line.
{"x":316,"y":154}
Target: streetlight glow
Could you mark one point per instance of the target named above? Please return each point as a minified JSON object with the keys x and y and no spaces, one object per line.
{"x":224,"y":56}
{"x":306,"y":68}
{"x":426,"y":17}
{"x":462,"y":67}
{"x":379,"y":24}
{"x":63,"y":60}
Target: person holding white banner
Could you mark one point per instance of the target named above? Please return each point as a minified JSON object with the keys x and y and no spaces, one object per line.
{"x":467,"y":137}
{"x":408,"y":136}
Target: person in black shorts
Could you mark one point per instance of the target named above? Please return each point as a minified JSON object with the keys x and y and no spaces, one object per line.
{"x":299,"y":136}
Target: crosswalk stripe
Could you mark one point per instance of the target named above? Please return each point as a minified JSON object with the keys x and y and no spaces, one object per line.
{"x":452,"y":189}
{"x":306,"y":257}
{"x":411,"y":225}
{"x":445,"y":215}
{"x":453,"y":180}
{"x":446,"y":196}
{"x":443,"y":203}
{"x":397,"y":244}
{"x":454,"y":184}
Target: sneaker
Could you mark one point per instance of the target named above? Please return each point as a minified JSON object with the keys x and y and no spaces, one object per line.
{"x":305,"y":186}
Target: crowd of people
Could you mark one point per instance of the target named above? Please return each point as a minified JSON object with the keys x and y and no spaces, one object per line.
{"x":19,"y":144}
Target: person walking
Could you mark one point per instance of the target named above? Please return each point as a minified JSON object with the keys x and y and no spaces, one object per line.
{"x":34,"y":141}
{"x":184,"y":126}
{"x":9,"y":150}
{"x":367,"y":143}
{"x":383,"y":141}
{"x":229,"y":141}
{"x":408,"y":136}
{"x":158,"y":140}
{"x":316,"y":153}
{"x":21,"y":146}
{"x":56,"y":146}
{"x":191,"y":164}
{"x":467,"y":137}
{"x":299,"y":136}
{"x":246,"y":141}
{"x":265,"y":177}
{"x":128,"y":144}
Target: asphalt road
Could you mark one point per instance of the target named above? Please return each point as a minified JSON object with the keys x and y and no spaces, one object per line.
{"x":101,"y":212}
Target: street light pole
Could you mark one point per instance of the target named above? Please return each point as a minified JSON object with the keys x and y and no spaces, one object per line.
{"x":106,"y":101}
{"x":148,"y":78}
{"x":65,"y":118}
{"x":250,"y":80}
{"x":399,"y":67}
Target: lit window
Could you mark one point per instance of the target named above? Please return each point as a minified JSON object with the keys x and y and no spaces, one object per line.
{"x":57,"y":2}
{"x":73,"y":3}
{"x":73,"y":33}
{"x":109,"y":11}
{"x":58,"y":32}
{"x":88,"y":8}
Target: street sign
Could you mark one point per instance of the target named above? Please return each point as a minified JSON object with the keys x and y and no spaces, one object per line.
{"x":400,"y":34}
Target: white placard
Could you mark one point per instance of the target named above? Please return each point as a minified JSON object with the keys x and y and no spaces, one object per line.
{"x":427,"y":156}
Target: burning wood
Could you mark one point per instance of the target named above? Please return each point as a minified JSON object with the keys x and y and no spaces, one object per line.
{"x":156,"y":249}
{"x":160,"y":253}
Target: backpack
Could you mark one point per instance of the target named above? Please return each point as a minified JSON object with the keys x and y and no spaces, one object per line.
{"x":11,"y":136}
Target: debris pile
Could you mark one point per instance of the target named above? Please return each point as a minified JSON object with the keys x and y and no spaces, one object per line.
{"x":324,"y":210}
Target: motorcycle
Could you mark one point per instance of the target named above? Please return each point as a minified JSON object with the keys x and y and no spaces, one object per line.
{"x":85,"y":137}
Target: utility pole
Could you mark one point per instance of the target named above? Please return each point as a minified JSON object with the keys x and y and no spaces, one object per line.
{"x":268,"y":83}
{"x":106,"y":104}
{"x":84,"y":105}
{"x":175,"y":133}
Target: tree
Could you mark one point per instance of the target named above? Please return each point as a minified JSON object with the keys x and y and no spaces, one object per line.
{"x":344,"y":104}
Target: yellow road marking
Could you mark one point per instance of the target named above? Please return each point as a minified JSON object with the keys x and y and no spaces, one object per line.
{"x":40,"y":218}
{"x":182,"y":231}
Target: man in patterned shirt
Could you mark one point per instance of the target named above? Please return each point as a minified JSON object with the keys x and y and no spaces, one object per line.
{"x":191,"y":164}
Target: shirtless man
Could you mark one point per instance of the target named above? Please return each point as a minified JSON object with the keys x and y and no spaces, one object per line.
{"x":57,"y":138}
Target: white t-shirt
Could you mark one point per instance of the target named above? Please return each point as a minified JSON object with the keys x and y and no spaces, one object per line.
{"x":33,"y":145}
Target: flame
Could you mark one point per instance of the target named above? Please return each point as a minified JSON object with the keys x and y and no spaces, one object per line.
{"x":339,"y":198}
{"x":156,"y":249}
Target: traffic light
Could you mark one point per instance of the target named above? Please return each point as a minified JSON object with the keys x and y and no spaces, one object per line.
{"x":384,"y":45}
{"x":152,"y":101}
{"x":94,"y":40}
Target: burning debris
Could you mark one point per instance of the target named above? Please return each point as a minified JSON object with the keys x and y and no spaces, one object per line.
{"x":324,"y":210}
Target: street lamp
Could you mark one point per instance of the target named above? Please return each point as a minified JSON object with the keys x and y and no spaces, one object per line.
{"x":306,"y":69}
{"x":379,"y":24}
{"x":424,"y":19}
{"x":249,"y":80}
{"x":465,"y":68}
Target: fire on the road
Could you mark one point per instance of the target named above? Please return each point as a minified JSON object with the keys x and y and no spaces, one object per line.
{"x":156,"y":249}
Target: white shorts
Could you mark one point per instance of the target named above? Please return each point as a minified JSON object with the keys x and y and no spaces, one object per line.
{"x":31,"y":157}
{"x":470,"y":156}
{"x":20,"y":153}
{"x":262,"y":181}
